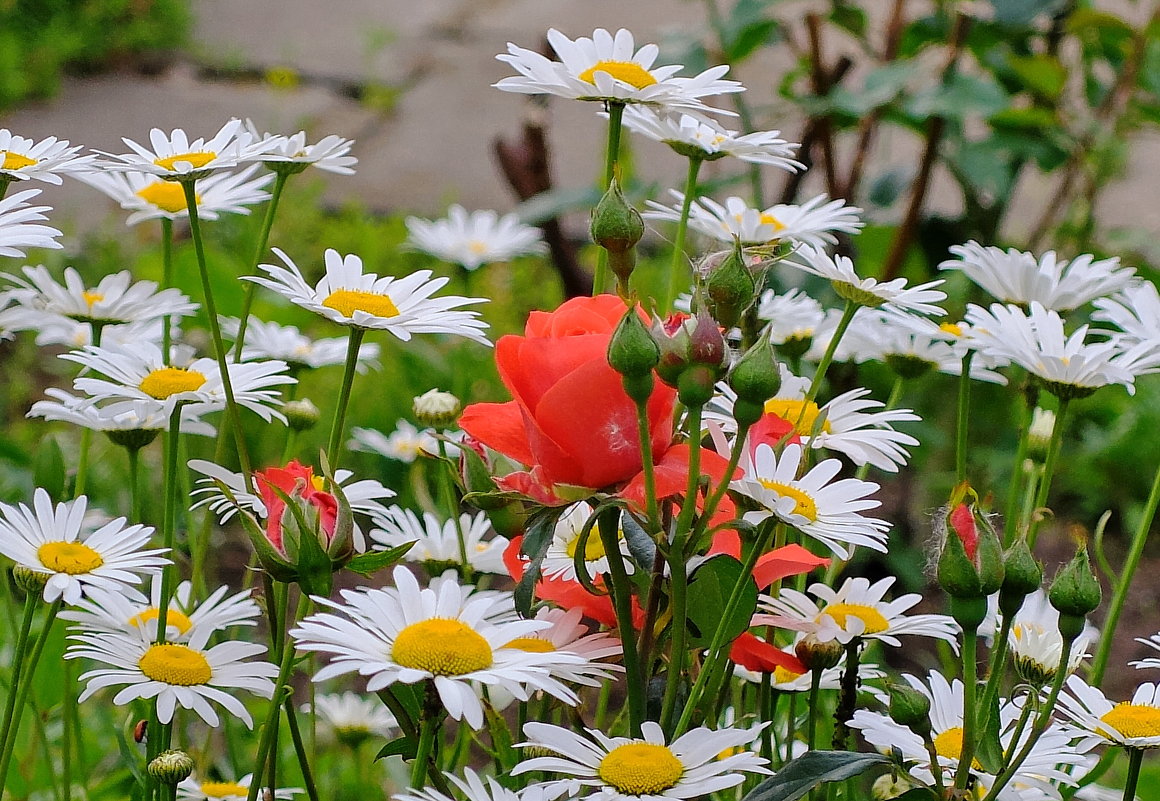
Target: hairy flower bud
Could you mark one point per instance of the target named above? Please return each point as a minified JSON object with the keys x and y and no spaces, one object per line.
{"x":909,"y":708}
{"x":707,"y":343}
{"x":1074,"y":593}
{"x":731,"y":288}
{"x":1022,"y":575}
{"x":616,"y":226}
{"x":436,"y":409}
{"x":756,"y":377}
{"x":170,"y":767}
{"x":632,"y":350}
{"x":816,"y":654}
{"x":301,"y":414}
{"x":673,"y":341}
{"x":971,"y":562}
{"x":695,"y":386}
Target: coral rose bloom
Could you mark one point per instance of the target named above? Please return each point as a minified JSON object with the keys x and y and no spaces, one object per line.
{"x":570,"y":419}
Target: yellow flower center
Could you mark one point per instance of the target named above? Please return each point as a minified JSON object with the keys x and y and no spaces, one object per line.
{"x":804,"y":416}
{"x":532,"y":644}
{"x":954,"y":329}
{"x":167,"y":381}
{"x":165,"y":195}
{"x":803,"y":504}
{"x":347,"y":301}
{"x":783,"y":675}
{"x":477,"y":247}
{"x":628,"y":72}
{"x":1133,"y":720}
{"x":871,"y":617}
{"x":769,"y":219}
{"x":90,"y":297}
{"x":319,"y":483}
{"x":175,"y":664}
{"x":173,"y":617}
{"x":593,"y":547}
{"x":441,"y":646}
{"x":223,"y":789}
{"x":640,"y":768}
{"x":15,"y":161}
{"x":949,"y":744}
{"x":73,"y":558}
{"x":195,"y":160}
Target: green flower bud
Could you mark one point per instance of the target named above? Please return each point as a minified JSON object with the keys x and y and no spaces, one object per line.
{"x":134,"y":439}
{"x":731,"y":288}
{"x":171,"y":767}
{"x":695,"y":386}
{"x":29,"y":580}
{"x":1039,"y":433}
{"x":971,"y":562}
{"x":756,"y":377}
{"x":1075,"y":592}
{"x":301,"y":414}
{"x":890,"y":786}
{"x":436,"y":409}
{"x":1022,"y":575}
{"x":616,"y":226}
{"x":632,"y":350}
{"x":818,"y":655}
{"x":673,"y":341}
{"x":909,"y":708}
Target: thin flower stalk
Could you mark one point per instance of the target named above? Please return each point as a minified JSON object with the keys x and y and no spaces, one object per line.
{"x":677,"y":271}
{"x":280,"y":178}
{"x":611,"y":163}
{"x":338,"y":427}
{"x":607,"y":525}
{"x":1048,"y":470}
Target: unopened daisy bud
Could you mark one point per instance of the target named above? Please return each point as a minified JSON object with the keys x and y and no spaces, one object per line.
{"x":133,"y":439}
{"x":731,"y":288}
{"x":616,"y":226}
{"x":171,"y":767}
{"x":29,"y":580}
{"x":910,"y":708}
{"x":971,"y":563}
{"x":301,"y":414}
{"x":1022,"y":575}
{"x":891,"y":786}
{"x":436,"y":409}
{"x":1074,"y":593}
{"x":817,"y":654}
{"x":1040,"y":431}
{"x":755,"y":378}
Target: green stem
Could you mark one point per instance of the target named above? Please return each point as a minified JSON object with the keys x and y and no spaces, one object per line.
{"x":970,"y":711}
{"x":259,"y":251}
{"x":935,"y":764}
{"x":1048,"y":471}
{"x":168,"y":522}
{"x":678,"y":575}
{"x":848,"y":313}
{"x":451,"y":503}
{"x":134,"y":484}
{"x":1135,"y":758}
{"x":718,"y":494}
{"x":18,"y":665}
{"x":611,"y":159}
{"x":338,"y":428}
{"x":647,"y":467}
{"x":166,"y":283}
{"x":300,"y":750}
{"x":87,"y":434}
{"x":68,"y":706}
{"x":812,"y":723}
{"x":995,"y":671}
{"x":847,"y":696}
{"x":1124,"y":582}
{"x":677,"y":271}
{"x":1011,"y":512}
{"x":607,"y":524}
{"x":215,"y":331}
{"x":964,"y":419}
{"x":419,"y":768}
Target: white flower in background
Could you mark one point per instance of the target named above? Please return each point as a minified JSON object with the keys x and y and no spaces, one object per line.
{"x":115,"y":300}
{"x":474,"y":239}
{"x":608,"y":67}
{"x":815,"y":504}
{"x":267,"y":340}
{"x":890,"y":295}
{"x":1037,"y":646}
{"x":330,"y":153}
{"x":149,"y":197}
{"x":1135,"y":310}
{"x":437,"y":541}
{"x":405,"y":444}
{"x":144,"y":416}
{"x":909,"y":350}
{"x":707,"y":140}
{"x":856,"y":609}
{"x":1014,"y":276}
{"x":568,"y":634}
{"x":352,"y":718}
{"x":192,"y":789}
{"x":22,"y":159}
{"x":56,"y":330}
{"x":612,"y":768}
{"x":406,"y":634}
{"x":139,"y":373}
{"x":1132,"y":724}
{"x":560,"y":558}
{"x":176,"y":157}
{"x":1040,"y":775}
{"x":1068,"y":366}
{"x":402,"y":306}
{"x":20,"y":228}
{"x":811,"y":223}
{"x":1152,"y":661}
{"x":131,"y":613}
{"x":793,"y":315}
{"x":56,"y":542}
{"x":472,"y":788}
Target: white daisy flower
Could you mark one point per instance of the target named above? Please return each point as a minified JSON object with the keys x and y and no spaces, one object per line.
{"x":851,"y":424}
{"x":473,"y":239}
{"x":353,"y":719}
{"x":1135,"y":310}
{"x":149,"y":197}
{"x":1152,"y":661}
{"x":330,"y":153}
{"x":857,"y":609}
{"x":192,"y":789}
{"x":910,"y":350}
{"x":144,"y":418}
{"x":115,"y":300}
{"x":1039,"y":776}
{"x":611,"y":68}
{"x":437,"y":542}
{"x":1036,"y":644}
{"x":1132,"y":724}
{"x":57,"y":543}
{"x":472,"y":788}
{"x":402,"y":306}
{"x":405,"y":444}
{"x":139,"y":373}
{"x":175,"y":157}
{"x":793,"y":315}
{"x":785,"y":680}
{"x":569,"y":635}
{"x":406,"y":634}
{"x":267,"y":340}
{"x":815,"y":504}
{"x":709,"y":141}
{"x":20,"y":228}
{"x":811,"y":223}
{"x":613,"y":768}
{"x":890,"y":295}
{"x":559,"y":560}
{"x":1066,"y":365}
{"x":21,"y":158}
{"x":1014,"y":276}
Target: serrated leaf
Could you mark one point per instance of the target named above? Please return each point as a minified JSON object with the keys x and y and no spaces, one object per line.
{"x":535,"y":544}
{"x":641,"y":546}
{"x":406,"y":747}
{"x":709,"y":589}
{"x":49,"y":472}
{"x":811,"y":770}
{"x":368,"y":564}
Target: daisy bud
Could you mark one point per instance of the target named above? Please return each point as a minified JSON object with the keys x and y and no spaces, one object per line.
{"x":1040,"y":431}
{"x":29,"y":580}
{"x":171,"y":767}
{"x":755,"y":378}
{"x":134,"y":439}
{"x":818,"y":655}
{"x":301,"y":415}
{"x":731,"y":288}
{"x":910,"y":708}
{"x":632,"y":351}
{"x":890,"y":786}
{"x":1022,"y":575}
{"x":971,"y":563}
{"x":1074,"y":593}
{"x":436,"y":409}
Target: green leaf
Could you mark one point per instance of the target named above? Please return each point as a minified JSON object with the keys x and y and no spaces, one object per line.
{"x":368,"y":564}
{"x":1022,"y":12}
{"x":989,"y":749}
{"x":640,"y":545}
{"x":406,"y":747}
{"x":750,"y":38}
{"x":49,"y":471}
{"x":960,"y":97}
{"x":1043,"y":75}
{"x":852,"y":18}
{"x":888,"y":186}
{"x":1024,"y":118}
{"x":811,"y":770}
{"x":709,"y":590}
{"x":918,"y":794}
{"x":551,"y":204}
{"x":535,"y":546}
